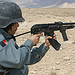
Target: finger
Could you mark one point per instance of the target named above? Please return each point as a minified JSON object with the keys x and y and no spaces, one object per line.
{"x":54,"y":38}
{"x":54,"y":32}
{"x":39,"y":34}
{"x":49,"y":37}
{"x":37,"y":41}
{"x":37,"y":37}
{"x":54,"y":35}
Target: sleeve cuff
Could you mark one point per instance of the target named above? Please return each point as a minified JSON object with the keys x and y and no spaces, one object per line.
{"x":45,"y":47}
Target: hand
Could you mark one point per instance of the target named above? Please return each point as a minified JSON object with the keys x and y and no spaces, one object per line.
{"x":35,"y":38}
{"x":47,"y":43}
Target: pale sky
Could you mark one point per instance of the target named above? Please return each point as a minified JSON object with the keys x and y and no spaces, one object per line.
{"x":52,"y":1}
{"x":42,"y":2}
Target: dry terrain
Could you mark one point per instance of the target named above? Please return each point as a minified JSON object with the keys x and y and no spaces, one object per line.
{"x":60,"y":62}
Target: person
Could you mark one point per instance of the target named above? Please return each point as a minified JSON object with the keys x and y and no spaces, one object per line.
{"x":14,"y":60}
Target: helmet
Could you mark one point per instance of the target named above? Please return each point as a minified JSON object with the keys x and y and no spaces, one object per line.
{"x":10,"y":12}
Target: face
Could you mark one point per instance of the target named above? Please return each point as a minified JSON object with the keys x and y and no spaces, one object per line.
{"x":13,"y":29}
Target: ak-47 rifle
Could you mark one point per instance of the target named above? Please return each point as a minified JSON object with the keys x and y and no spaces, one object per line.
{"x":49,"y":29}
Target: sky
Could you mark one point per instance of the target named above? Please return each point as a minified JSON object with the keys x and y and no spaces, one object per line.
{"x":52,"y":1}
{"x":40,"y":3}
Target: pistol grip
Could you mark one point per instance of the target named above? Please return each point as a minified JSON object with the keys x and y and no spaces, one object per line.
{"x":55,"y":44}
{"x":63,"y":32}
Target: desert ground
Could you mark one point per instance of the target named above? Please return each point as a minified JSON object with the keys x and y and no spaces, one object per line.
{"x":54,"y":62}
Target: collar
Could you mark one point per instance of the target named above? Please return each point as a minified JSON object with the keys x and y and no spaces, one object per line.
{"x":6,"y":35}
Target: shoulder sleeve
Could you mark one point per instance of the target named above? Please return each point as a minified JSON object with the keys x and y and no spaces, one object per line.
{"x":11,"y":57}
{"x":1,"y":37}
{"x":3,"y":41}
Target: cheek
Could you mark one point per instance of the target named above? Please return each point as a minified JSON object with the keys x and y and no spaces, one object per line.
{"x":14,"y":30}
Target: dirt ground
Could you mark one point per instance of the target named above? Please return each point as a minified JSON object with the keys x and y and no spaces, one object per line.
{"x":60,"y":62}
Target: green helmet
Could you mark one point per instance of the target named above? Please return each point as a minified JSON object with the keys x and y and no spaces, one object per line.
{"x":9,"y":13}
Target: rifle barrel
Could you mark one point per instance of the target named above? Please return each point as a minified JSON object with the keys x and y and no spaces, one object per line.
{"x":69,"y":23}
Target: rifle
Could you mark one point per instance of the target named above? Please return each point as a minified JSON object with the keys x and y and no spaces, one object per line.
{"x":49,"y":29}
